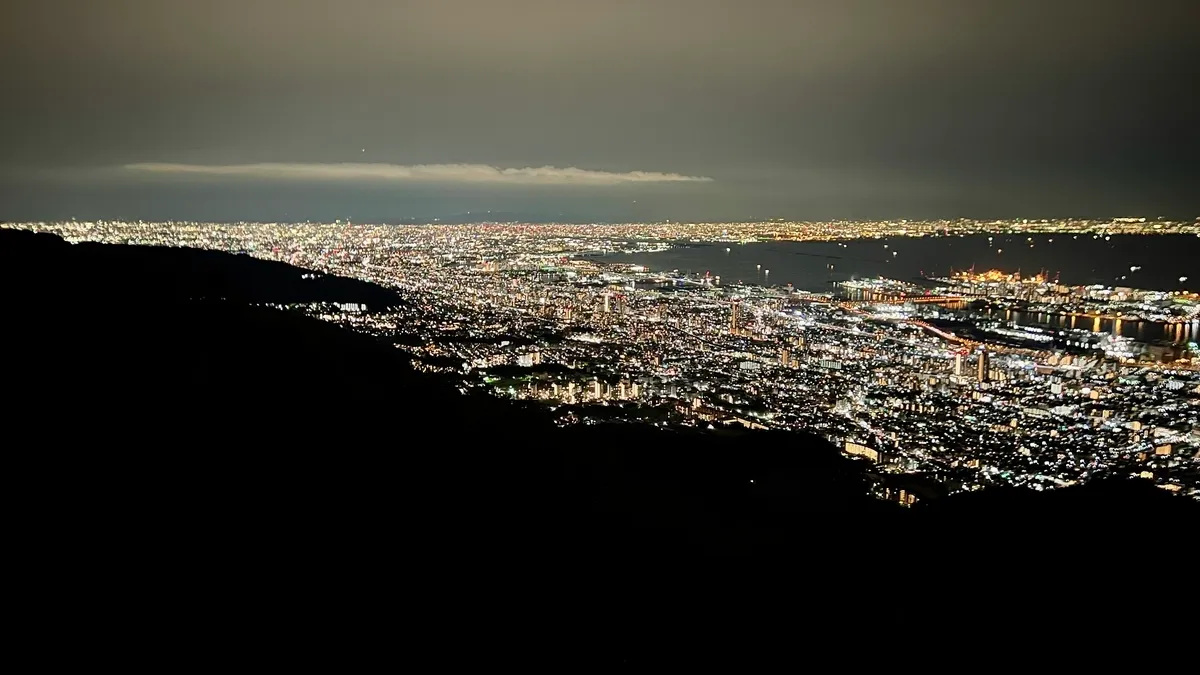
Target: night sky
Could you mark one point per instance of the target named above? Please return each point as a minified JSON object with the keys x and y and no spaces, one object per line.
{"x":598,"y":109}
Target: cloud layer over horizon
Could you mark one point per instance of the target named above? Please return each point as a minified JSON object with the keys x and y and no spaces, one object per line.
{"x":428,"y":173}
{"x":805,"y":109}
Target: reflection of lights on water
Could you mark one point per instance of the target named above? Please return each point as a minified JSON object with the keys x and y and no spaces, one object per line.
{"x":999,"y":250}
{"x":1182,"y":279}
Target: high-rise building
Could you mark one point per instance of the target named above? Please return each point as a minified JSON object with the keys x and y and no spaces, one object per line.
{"x":733,"y":318}
{"x":959,"y":358}
{"x":983,"y":366}
{"x":607,"y":303}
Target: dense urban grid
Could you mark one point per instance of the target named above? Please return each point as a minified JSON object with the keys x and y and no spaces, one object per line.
{"x":928,"y":382}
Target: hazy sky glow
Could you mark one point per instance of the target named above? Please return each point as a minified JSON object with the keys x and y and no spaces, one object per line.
{"x":225,"y":109}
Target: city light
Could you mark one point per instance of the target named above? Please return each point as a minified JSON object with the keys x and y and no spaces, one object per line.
{"x":975,"y":379}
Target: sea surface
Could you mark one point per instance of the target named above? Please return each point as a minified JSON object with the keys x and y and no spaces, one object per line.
{"x":815,"y":266}
{"x":1160,"y":262}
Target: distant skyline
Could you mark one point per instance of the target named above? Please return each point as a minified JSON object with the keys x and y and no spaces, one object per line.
{"x":621,"y":110}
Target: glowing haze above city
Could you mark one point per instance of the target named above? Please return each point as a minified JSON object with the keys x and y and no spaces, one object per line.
{"x":616,"y":111}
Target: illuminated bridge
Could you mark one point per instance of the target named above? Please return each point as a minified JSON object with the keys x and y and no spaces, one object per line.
{"x":900,"y":300}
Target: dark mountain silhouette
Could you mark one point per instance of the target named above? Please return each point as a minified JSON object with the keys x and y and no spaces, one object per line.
{"x":147,"y":395}
{"x":1110,"y":498}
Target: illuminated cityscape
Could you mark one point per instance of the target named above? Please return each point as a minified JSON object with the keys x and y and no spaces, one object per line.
{"x":944,"y":384}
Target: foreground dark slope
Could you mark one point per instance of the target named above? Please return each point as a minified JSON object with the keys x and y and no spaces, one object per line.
{"x":140,"y":382}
